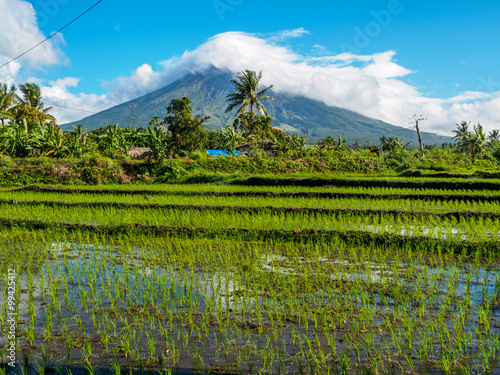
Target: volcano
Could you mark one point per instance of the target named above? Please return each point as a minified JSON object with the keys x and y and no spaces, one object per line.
{"x":292,"y":114}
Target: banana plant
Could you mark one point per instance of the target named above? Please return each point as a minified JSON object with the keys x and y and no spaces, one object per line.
{"x":53,"y":142}
{"x":113,"y":141}
{"x":77,"y":141}
{"x":158,"y":139}
{"x":17,"y":140}
{"x":230,"y":138}
{"x":475,"y":141}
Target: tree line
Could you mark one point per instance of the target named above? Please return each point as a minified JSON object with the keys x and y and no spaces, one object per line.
{"x":27,"y":129}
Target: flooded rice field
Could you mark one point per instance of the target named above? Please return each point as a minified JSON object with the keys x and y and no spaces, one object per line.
{"x":105,"y":284}
{"x":246,"y":309}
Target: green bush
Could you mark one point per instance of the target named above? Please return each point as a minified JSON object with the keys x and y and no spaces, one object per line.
{"x":198,"y":155}
{"x":95,"y":169}
{"x":6,"y":161}
{"x":170,"y":172}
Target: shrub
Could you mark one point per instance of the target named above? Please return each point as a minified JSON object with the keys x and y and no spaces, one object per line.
{"x":6,"y":161}
{"x":197,"y":155}
{"x":169,"y":172}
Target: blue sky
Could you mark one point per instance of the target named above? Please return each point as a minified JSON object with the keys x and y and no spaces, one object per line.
{"x":386,"y":59}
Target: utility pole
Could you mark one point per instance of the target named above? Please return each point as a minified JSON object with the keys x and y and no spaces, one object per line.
{"x":416,"y":121}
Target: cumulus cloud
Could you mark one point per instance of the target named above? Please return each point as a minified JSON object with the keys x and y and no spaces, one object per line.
{"x":20,"y":32}
{"x":373,"y":85}
{"x":9,"y":73}
{"x":57,"y":93}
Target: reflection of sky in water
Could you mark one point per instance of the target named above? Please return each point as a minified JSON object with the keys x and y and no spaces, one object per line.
{"x":427,"y":231}
{"x":477,"y":284}
{"x":200,"y":285}
{"x":170,"y":287}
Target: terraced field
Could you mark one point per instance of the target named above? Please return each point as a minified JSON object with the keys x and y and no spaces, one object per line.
{"x":252,"y":279}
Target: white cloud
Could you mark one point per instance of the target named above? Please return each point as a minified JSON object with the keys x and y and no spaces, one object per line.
{"x":369,"y":84}
{"x":9,"y":73}
{"x":20,"y":32}
{"x":144,"y":80}
{"x":57,"y":93}
{"x":286,"y":34}
{"x":319,"y":47}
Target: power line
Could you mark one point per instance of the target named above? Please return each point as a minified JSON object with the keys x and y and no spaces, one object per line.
{"x":85,"y":110}
{"x":58,"y":31}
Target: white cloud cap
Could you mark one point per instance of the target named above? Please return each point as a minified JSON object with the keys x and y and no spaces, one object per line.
{"x":369,"y":84}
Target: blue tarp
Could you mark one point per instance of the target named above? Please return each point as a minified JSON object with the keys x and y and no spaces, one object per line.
{"x":216,"y":153}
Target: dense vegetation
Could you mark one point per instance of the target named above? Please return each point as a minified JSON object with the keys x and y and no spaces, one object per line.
{"x":33,"y":148}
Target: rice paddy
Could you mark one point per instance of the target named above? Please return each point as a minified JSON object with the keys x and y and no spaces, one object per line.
{"x":287,"y":281}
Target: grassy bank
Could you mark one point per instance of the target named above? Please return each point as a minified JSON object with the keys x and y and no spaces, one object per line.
{"x":311,"y":169}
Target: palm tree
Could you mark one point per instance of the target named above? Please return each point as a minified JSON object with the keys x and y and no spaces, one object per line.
{"x":493,"y":139}
{"x":7,"y":101}
{"x":31,"y":105}
{"x":462,"y":135}
{"x":246,"y":93}
{"x":475,"y":141}
{"x":32,"y":96}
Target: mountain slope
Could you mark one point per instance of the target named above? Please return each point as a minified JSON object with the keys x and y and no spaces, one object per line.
{"x":292,"y":114}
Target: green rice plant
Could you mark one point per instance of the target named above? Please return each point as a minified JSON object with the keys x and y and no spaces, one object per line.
{"x":40,"y":369}
{"x":26,"y":362}
{"x":115,"y":365}
{"x":91,"y":370}
{"x":87,"y":353}
{"x":140,"y":361}
{"x":325,"y":286}
{"x":151,"y":346}
{"x":46,"y":356}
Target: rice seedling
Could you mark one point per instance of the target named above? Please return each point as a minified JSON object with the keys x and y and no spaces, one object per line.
{"x":312,"y":306}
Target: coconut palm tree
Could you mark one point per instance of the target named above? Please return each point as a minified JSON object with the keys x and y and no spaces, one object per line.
{"x":7,"y":102}
{"x":493,"y":139}
{"x":32,"y":96}
{"x":31,"y":105}
{"x":471,"y":142}
{"x":462,"y":135}
{"x":246,"y":94}
{"x":475,"y":141}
